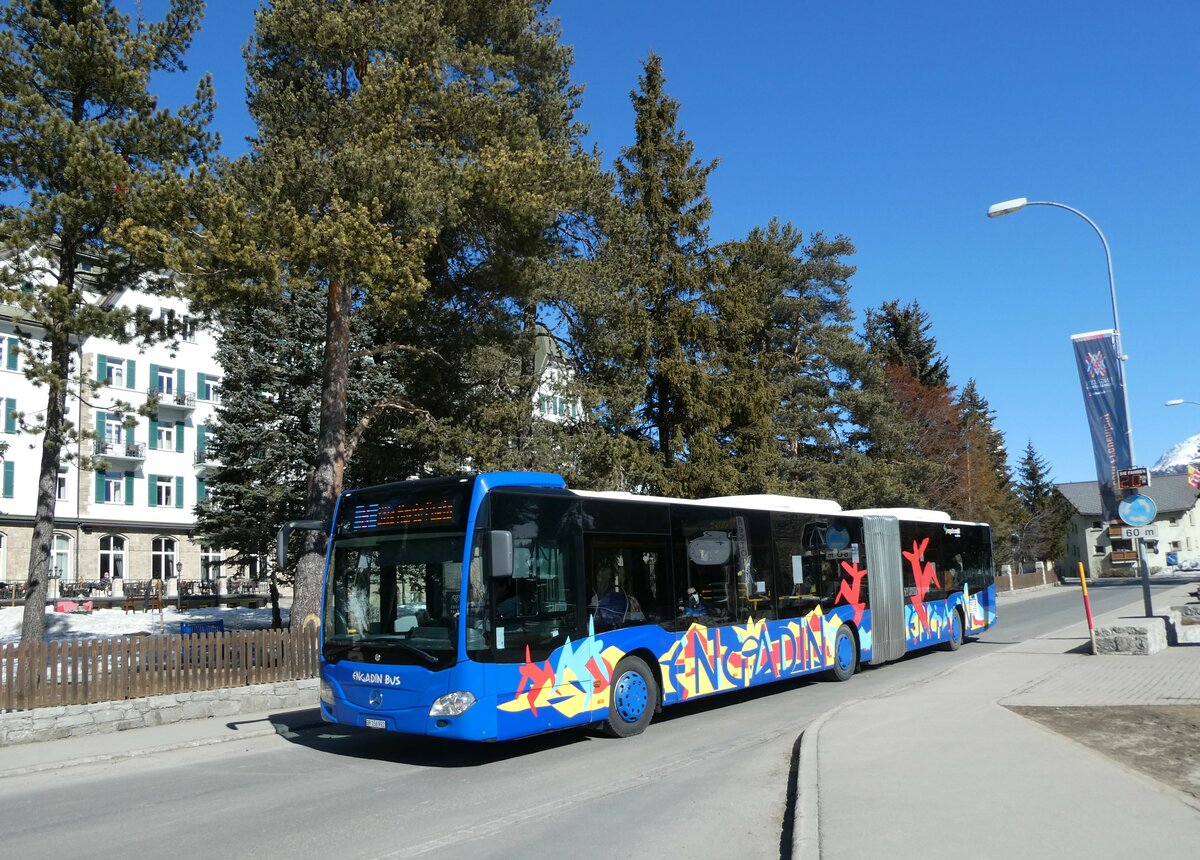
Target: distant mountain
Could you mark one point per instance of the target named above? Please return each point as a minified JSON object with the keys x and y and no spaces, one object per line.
{"x":1178,"y":457}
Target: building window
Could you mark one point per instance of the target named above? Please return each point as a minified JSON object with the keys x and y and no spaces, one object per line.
{"x":252,"y":567}
{"x":208,"y":388}
{"x":210,"y":562}
{"x":1174,"y":547}
{"x":60,"y":559}
{"x":162,"y":558}
{"x":112,"y":556}
{"x":3,"y":557}
{"x":114,"y":428}
{"x":114,"y":488}
{"x":165,"y":436}
{"x":1098,"y":549}
{"x":60,"y":487}
{"x":165,"y":379}
{"x":187,"y":329}
{"x":164,"y":491}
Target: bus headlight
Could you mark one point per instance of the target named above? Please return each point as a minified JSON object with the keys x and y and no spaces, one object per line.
{"x":326,"y":693}
{"x":452,"y":704}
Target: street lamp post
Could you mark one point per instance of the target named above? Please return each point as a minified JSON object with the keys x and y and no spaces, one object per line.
{"x":1178,"y":402}
{"x":1016,"y":205}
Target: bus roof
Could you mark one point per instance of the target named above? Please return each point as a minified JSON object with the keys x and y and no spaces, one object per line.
{"x":761,"y":502}
{"x":917,"y":514}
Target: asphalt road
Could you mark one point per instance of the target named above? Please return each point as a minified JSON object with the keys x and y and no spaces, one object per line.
{"x":706,"y":779}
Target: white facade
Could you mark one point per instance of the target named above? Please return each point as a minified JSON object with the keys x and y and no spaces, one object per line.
{"x":554,"y":373}
{"x":136,"y":516}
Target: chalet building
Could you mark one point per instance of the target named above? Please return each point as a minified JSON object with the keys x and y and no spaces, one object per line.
{"x":1102,"y":550}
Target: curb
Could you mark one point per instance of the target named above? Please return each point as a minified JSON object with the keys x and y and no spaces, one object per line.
{"x":806,"y":838}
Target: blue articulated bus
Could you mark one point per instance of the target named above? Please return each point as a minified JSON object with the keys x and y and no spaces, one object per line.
{"x":496,"y":606}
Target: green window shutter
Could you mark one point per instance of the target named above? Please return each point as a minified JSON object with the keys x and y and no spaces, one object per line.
{"x":8,"y":479}
{"x":101,"y":417}
{"x":11,"y":358}
{"x":153,"y":434}
{"x":201,"y":378}
{"x":179,"y":491}
{"x":131,"y":436}
{"x":101,"y":368}
{"x":179,"y":437}
{"x":181,"y":382}
{"x":129,"y":488}
{"x":154,"y":377}
{"x":201,"y":490}
{"x":131,"y":373}
{"x":99,"y":486}
{"x":152,"y":485}
{"x":10,"y":420}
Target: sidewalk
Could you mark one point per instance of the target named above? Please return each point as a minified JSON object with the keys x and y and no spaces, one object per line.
{"x":946,"y":769}
{"x":23,"y":759}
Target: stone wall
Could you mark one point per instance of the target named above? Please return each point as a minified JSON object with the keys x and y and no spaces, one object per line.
{"x":68,"y":721}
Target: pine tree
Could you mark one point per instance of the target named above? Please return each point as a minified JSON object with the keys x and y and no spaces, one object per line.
{"x":403,"y":146}
{"x":1045,"y":513}
{"x":98,"y":166}
{"x":900,"y":336}
{"x":1034,"y":484}
{"x":783,"y":363}
{"x":983,"y":469}
{"x":910,"y":423}
{"x":645,"y":331}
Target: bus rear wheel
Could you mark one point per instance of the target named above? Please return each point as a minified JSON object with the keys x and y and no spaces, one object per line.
{"x":845,"y":655}
{"x":632,"y":699}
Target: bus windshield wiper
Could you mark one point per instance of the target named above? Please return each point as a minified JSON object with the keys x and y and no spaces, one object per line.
{"x":413,"y":649}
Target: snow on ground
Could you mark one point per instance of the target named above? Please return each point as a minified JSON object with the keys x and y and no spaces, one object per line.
{"x":117,"y":622}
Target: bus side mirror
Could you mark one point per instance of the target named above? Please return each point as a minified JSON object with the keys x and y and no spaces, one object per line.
{"x":281,"y":548}
{"x":500,"y":553}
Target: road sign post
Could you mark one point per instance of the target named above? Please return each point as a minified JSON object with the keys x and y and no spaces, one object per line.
{"x":1139,"y":512}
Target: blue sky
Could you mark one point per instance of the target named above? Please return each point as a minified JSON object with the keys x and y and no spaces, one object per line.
{"x":898,"y":124}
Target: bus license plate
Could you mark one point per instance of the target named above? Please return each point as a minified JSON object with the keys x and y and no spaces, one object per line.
{"x":375,"y":724}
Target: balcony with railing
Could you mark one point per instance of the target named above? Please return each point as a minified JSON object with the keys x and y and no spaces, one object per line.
{"x":205,"y":459}
{"x":128,"y":451}
{"x":179,"y":401}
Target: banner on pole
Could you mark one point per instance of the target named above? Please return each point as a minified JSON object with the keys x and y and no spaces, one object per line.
{"x":1103,"y":386}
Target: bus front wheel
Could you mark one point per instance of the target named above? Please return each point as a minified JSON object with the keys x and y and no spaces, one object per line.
{"x":631,"y":700}
{"x":845,"y":655}
{"x":956,"y":631}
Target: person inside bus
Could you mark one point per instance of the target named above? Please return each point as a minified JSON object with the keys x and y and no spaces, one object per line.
{"x":508,"y":604}
{"x":610,"y":610}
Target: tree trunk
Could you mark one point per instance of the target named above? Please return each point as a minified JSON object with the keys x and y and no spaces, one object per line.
{"x":326,"y":480}
{"x":33,"y":624}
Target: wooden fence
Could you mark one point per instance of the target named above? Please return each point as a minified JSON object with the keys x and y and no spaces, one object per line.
{"x":83,"y":671}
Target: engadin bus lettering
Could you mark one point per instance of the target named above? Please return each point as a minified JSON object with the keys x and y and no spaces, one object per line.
{"x":375,"y":678}
{"x":503,"y":605}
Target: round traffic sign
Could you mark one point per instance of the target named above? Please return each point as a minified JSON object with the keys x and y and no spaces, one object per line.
{"x":1137,"y":510}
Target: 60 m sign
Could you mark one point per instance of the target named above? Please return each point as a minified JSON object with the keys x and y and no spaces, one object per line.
{"x":1139,"y":532}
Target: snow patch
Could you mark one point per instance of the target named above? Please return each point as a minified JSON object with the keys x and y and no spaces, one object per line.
{"x":1178,"y":457}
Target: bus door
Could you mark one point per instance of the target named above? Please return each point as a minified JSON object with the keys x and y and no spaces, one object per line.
{"x":886,"y":594}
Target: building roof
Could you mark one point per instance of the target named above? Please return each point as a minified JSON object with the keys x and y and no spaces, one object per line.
{"x":1169,"y":492}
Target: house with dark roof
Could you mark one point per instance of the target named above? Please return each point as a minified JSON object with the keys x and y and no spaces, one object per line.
{"x":1104,"y":552}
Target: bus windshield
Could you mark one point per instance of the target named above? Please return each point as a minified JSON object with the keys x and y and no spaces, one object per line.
{"x":394,"y":599}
